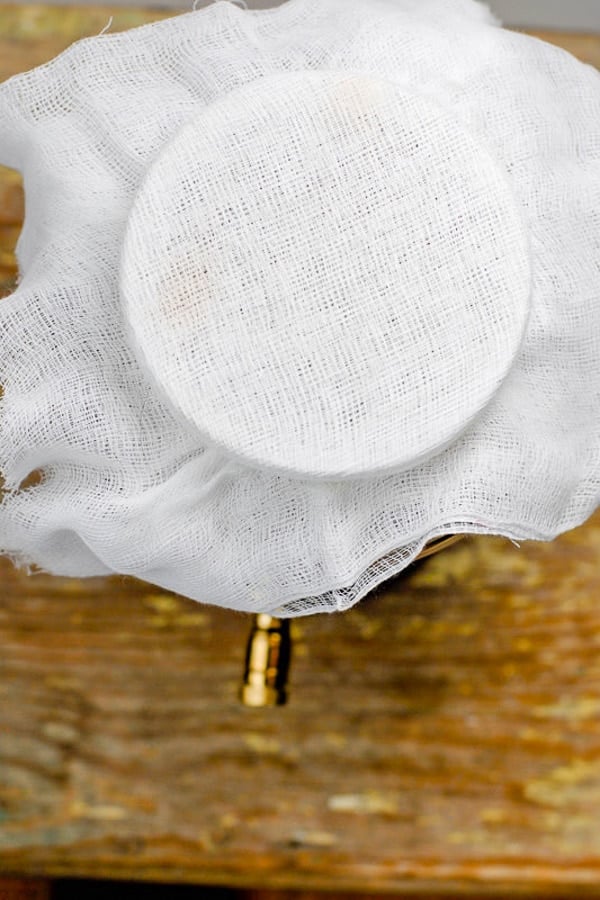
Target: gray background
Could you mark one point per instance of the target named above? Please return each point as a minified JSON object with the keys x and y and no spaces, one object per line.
{"x":573,"y":15}
{"x":570,"y":15}
{"x":577,"y":15}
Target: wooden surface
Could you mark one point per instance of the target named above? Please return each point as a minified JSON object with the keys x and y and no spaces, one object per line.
{"x":17,"y":889}
{"x":445,"y":734}
{"x":442,"y":737}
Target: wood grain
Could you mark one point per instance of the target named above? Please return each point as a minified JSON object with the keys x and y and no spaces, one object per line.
{"x":20,"y":889}
{"x":585,"y":46}
{"x":446,"y":733}
{"x":444,"y":737}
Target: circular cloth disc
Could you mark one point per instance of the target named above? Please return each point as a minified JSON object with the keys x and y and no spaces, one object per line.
{"x":326,"y":274}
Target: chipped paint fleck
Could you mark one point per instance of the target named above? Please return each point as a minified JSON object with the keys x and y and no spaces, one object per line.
{"x":566,"y":784}
{"x":60,"y":732}
{"x":104,"y":812}
{"x":261,"y":744}
{"x":335,"y":739}
{"x":161,"y":603}
{"x":523,"y":645}
{"x":531,"y":734}
{"x":367,"y":626}
{"x":366,"y":803}
{"x":229,"y":820}
{"x":161,"y":621}
{"x":313,"y":839}
{"x":570,"y":709}
{"x":170,"y":612}
{"x":62,"y":683}
{"x":192,"y":620}
{"x":493,"y":815}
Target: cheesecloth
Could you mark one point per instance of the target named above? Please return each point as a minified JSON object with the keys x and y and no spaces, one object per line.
{"x":300,"y":290}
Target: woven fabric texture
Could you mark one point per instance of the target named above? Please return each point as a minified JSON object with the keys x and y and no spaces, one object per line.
{"x":300,"y":290}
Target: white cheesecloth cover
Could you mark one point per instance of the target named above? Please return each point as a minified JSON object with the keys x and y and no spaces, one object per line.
{"x":300,"y":290}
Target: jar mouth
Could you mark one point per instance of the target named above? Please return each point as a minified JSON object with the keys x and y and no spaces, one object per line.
{"x":438,"y":544}
{"x":326,"y":275}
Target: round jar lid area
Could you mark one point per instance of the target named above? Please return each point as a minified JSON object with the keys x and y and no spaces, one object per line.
{"x":326,"y":274}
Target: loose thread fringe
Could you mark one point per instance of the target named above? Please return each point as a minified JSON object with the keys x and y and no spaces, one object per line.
{"x":106,"y":27}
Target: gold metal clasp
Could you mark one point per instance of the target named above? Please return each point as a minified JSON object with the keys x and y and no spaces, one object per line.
{"x":269,"y":648}
{"x":267,"y":662}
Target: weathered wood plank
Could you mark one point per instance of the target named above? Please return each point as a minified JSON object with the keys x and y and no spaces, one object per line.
{"x":585,"y":46}
{"x":31,"y":34}
{"x":446,"y":732}
{"x":19,"y":889}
